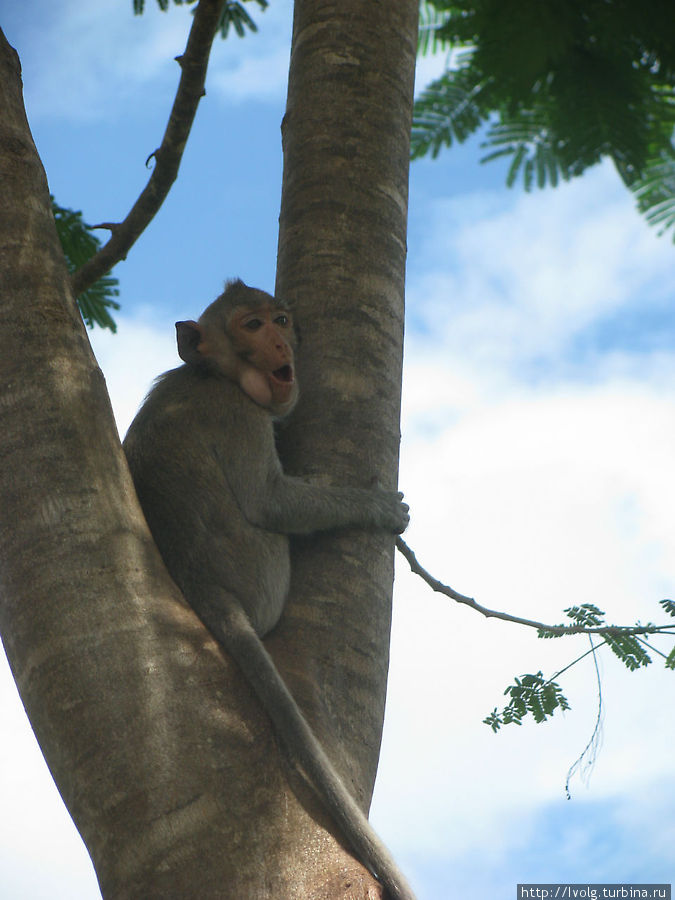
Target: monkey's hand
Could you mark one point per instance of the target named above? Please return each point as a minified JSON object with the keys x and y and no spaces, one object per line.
{"x":394,"y":513}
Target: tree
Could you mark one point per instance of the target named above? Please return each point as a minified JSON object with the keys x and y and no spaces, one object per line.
{"x":560,"y":86}
{"x":160,"y":753}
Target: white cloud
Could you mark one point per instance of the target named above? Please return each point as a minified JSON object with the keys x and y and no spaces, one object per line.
{"x":96,"y":61}
{"x":257,"y":67}
{"x":76,"y":70}
{"x":531,"y":505}
{"x":511,"y":278}
{"x":263,"y":77}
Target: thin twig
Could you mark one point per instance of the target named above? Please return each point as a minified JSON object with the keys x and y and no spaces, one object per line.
{"x":436,"y":585}
{"x":653,"y":648}
{"x":594,"y":648}
{"x":168,"y":155}
{"x":592,"y":747}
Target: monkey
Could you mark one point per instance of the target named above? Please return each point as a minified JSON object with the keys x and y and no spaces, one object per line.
{"x":220,"y":508}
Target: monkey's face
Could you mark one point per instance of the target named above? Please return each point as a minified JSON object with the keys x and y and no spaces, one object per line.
{"x":247,"y":336}
{"x":264,"y":340}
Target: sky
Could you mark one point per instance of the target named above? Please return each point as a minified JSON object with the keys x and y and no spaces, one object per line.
{"x":537,"y":453}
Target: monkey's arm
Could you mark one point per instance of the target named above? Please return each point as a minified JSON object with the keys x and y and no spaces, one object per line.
{"x":274,"y":501}
{"x":294,"y":506}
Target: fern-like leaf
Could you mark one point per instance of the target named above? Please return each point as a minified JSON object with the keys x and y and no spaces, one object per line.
{"x":668,"y":606}
{"x":530,"y":694}
{"x":629,"y":650}
{"x":587,"y":615}
{"x":431,"y":38}
{"x":451,"y":109}
{"x":236,"y":16}
{"x":79,"y":245}
{"x":564,"y":86}
{"x":233,"y":15}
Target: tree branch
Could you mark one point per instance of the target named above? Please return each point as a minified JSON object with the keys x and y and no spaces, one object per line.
{"x":554,"y":630}
{"x":193,"y":63}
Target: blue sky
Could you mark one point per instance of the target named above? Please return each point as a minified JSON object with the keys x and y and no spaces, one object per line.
{"x":537,"y":455}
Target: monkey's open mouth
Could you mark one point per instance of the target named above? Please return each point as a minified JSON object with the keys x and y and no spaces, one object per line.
{"x":284,"y":374}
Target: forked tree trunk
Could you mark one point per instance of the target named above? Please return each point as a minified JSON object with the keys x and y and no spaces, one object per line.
{"x":166,"y":762}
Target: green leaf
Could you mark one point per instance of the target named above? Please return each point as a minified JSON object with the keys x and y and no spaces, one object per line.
{"x":236,"y":16}
{"x":669,"y":606}
{"x":563,"y":86}
{"x":654,"y":189}
{"x":450,"y":109}
{"x":629,"y":650}
{"x":530,"y":694}
{"x":233,"y":14}
{"x":79,"y":245}
{"x":550,"y":635}
{"x":431,"y":36}
{"x":493,"y":720}
{"x":587,"y":615}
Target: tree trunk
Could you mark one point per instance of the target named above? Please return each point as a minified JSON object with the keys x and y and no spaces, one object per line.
{"x":341,"y":261}
{"x":163,"y":757}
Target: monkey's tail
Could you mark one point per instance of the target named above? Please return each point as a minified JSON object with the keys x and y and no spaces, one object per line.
{"x":265,"y":679}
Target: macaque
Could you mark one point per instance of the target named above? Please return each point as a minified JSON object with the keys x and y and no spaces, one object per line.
{"x":204,"y":463}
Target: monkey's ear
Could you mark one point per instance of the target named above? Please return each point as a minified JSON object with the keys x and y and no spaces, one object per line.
{"x":189,"y":337}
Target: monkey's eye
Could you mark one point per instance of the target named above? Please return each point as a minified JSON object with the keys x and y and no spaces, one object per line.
{"x":252,"y":324}
{"x":282,"y":320}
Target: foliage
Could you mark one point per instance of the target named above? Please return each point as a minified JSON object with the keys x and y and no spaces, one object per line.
{"x":530,"y":694}
{"x":540,"y":697}
{"x":561,"y":84}
{"x":669,"y":607}
{"x":79,"y":245}
{"x":450,"y":109}
{"x":233,"y":14}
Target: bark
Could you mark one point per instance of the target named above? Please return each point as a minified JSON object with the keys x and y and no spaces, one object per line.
{"x":342,"y":250}
{"x":164,"y":759}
